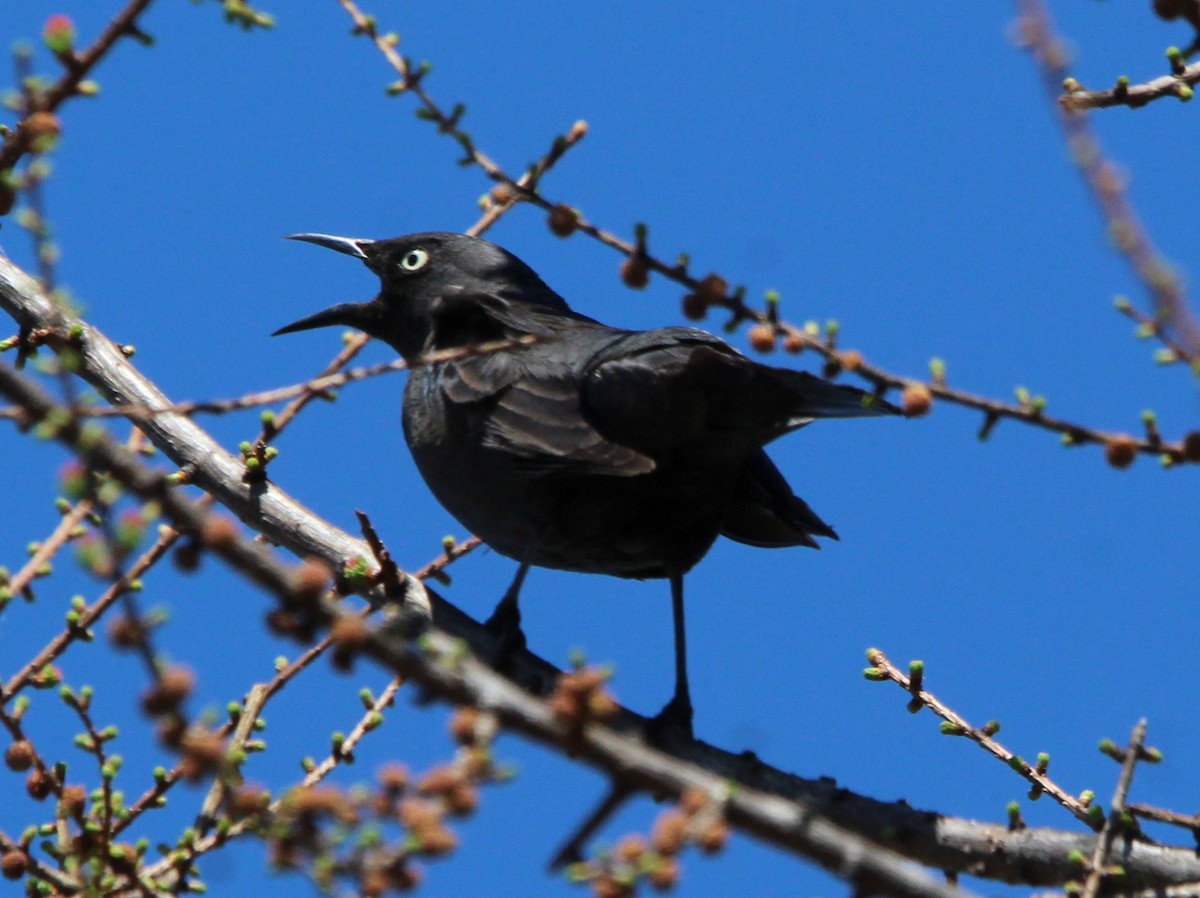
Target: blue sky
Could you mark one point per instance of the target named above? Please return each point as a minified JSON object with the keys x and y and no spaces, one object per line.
{"x":896,"y":169}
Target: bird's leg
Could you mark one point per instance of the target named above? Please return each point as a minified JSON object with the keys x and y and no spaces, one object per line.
{"x":678,"y":711}
{"x":505,"y":621}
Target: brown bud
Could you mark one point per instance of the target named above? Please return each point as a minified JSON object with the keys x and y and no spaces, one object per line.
{"x":1174,"y":9}
{"x":187,"y":556}
{"x":566,"y":707}
{"x":665,"y":874}
{"x":694,"y":308}
{"x":218,"y":532}
{"x":315,"y":800}
{"x":171,"y":730}
{"x":762,"y":337}
{"x":582,"y":682}
{"x":393,"y":778}
{"x":349,"y":632}
{"x":38,"y":785}
{"x":418,"y":813}
{"x":476,"y":762}
{"x":126,"y":632}
{"x":14,"y":864}
{"x":310,"y":802}
{"x":916,"y":400}
{"x":1191,"y":446}
{"x":374,"y":884}
{"x":72,"y":801}
{"x":693,"y":799}
{"x":42,"y":124}
{"x":631,"y":848}
{"x":463,"y":725}
{"x":437,"y":841}
{"x":462,"y":800}
{"x":670,"y":832}
{"x":602,"y":706}
{"x":563,"y":220}
{"x":635,"y":272}
{"x":713,"y":837}
{"x":172,"y":688}
{"x":1120,"y":451}
{"x":712,"y":289}
{"x":439,"y":780}
{"x":851,"y":359}
{"x":19,"y":756}
{"x":405,"y":877}
{"x":246,"y":801}
{"x":605,"y":885}
{"x":203,"y":753}
{"x":503,"y":193}
{"x":310,"y":579}
{"x":793,"y":343}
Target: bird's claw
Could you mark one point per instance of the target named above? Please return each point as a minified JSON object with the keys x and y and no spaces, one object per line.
{"x":505,"y":626}
{"x":672,"y":722}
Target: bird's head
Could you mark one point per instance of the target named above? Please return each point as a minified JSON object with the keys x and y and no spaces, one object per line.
{"x":414,"y":272}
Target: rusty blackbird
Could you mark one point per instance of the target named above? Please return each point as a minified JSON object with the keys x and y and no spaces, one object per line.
{"x":576,"y":445}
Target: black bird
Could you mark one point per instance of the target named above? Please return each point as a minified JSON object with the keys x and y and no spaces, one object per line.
{"x":589,"y":448}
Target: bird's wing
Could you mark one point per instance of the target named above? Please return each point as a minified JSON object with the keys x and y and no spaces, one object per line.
{"x":661,"y":389}
{"x":527,"y":398}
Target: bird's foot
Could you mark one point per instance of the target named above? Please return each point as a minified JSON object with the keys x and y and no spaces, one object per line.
{"x":505,"y":626}
{"x":674,"y":721}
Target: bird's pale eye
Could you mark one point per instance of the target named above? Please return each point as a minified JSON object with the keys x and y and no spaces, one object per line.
{"x":414,"y":260}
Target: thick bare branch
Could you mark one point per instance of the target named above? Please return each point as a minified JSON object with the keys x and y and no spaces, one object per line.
{"x":262,"y":506}
{"x":815,"y":819}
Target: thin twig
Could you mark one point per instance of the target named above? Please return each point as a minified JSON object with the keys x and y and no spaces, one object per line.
{"x":252,"y":707}
{"x":39,"y":871}
{"x":960,"y":727}
{"x":307,"y":390}
{"x":81,"y":64}
{"x":89,"y":616}
{"x":879,"y":378}
{"x":1177,"y":85}
{"x":208,"y":842}
{"x":389,"y":573}
{"x":49,"y":547}
{"x":571,"y":851}
{"x":451,"y":554}
{"x":365,"y":724}
{"x":150,"y":798}
{"x":1167,"y":291}
{"x":1115,"y":823}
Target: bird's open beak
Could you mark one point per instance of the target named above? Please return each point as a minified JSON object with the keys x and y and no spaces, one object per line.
{"x":351,"y":246}
{"x":347,"y":314}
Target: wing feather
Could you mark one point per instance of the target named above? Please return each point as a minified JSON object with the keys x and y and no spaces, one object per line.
{"x":528,"y":397}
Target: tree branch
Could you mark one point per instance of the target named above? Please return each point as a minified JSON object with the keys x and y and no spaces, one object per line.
{"x":813,"y":818}
{"x":1153,"y":270}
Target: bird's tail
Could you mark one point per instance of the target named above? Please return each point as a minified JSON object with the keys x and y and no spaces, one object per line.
{"x":817,"y":398}
{"x":764,"y":512}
